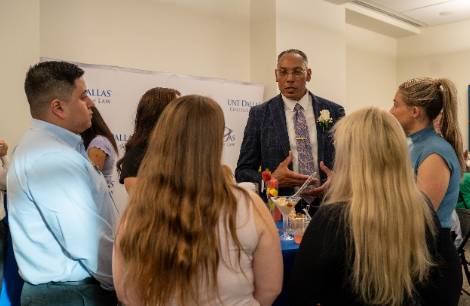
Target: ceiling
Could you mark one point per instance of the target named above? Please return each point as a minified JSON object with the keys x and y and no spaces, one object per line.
{"x":419,"y":13}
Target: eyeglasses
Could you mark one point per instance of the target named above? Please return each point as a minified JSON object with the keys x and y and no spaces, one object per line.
{"x":296,"y":73}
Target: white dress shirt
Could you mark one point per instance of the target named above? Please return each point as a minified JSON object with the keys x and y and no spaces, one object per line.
{"x":3,"y":183}
{"x":306,"y":103}
{"x":61,"y":215}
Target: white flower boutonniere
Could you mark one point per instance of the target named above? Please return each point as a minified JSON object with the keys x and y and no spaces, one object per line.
{"x":325,"y":120}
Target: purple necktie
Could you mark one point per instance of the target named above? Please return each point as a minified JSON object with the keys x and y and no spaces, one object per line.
{"x":302,"y":138}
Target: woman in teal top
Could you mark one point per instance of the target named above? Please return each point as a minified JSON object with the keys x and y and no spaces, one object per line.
{"x":437,"y":160}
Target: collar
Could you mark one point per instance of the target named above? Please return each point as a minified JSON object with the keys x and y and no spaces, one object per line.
{"x":70,"y":138}
{"x":421,"y":134}
{"x":304,"y":102}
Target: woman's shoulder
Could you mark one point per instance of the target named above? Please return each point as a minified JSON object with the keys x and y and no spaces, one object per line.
{"x":437,"y":144}
{"x":134,"y":155}
{"x":100,"y":141}
{"x":331,"y":209}
{"x":330,"y":217}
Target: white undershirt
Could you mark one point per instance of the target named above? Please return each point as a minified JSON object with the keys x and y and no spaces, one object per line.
{"x":306,"y":103}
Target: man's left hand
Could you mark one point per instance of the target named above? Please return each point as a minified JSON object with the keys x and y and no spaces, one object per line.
{"x":318,"y":191}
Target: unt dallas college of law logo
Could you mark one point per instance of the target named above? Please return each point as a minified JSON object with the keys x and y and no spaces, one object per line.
{"x":240,"y":105}
{"x":229,"y":137}
{"x":99,"y":95}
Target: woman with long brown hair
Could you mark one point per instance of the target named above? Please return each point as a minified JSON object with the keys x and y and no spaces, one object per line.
{"x":149,"y":109}
{"x":189,"y":235}
{"x":100,"y":145}
{"x":375,"y":241}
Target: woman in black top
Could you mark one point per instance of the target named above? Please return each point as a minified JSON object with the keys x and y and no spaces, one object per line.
{"x":375,"y":241}
{"x":150,"y":107}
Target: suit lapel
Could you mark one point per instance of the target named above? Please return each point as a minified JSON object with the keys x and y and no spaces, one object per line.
{"x":279,"y":116}
{"x":317,"y":105}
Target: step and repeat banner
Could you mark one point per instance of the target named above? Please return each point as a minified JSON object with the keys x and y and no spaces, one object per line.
{"x":116,"y":92}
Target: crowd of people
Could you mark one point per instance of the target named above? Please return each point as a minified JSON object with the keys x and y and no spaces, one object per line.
{"x":384,"y":190}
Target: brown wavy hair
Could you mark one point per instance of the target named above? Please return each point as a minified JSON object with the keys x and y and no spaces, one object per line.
{"x":437,"y":96}
{"x":98,"y":127}
{"x":149,"y":109}
{"x":168,"y":235}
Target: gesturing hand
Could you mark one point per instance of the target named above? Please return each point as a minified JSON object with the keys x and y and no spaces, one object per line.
{"x":287,"y":177}
{"x":321,"y":189}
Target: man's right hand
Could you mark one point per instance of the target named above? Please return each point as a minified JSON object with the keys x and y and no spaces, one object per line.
{"x":287,"y":177}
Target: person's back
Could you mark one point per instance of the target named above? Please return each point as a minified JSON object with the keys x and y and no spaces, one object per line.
{"x":224,"y":247}
{"x":151,"y":105}
{"x":426,"y":142}
{"x":236,"y":279}
{"x":375,"y":241}
{"x":326,"y":245}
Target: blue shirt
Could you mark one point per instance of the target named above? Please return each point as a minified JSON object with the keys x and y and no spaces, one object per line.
{"x":60,"y":213}
{"x":426,"y":142}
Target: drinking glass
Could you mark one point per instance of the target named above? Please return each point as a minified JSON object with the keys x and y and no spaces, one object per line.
{"x":299,"y":224}
{"x":286,"y":205}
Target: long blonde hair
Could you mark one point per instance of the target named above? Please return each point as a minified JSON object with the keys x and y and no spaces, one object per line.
{"x":437,"y":96}
{"x":168,"y":235}
{"x":387,"y":214}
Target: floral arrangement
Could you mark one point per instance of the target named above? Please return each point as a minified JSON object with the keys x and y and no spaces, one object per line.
{"x":325,"y":120}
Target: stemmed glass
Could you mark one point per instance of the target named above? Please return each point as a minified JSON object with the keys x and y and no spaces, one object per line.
{"x":286,"y":205}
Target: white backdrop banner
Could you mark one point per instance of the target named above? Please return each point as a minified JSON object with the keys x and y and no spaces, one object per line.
{"x":117,"y":91}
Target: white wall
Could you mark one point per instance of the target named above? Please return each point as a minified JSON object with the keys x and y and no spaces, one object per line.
{"x":263,"y":45}
{"x":441,"y":51}
{"x":203,"y":37}
{"x":318,"y":29}
{"x":19,"y":41}
{"x":371,"y":74}
{"x":230,"y":39}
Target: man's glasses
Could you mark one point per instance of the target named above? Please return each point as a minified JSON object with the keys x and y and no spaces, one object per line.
{"x":296,"y":73}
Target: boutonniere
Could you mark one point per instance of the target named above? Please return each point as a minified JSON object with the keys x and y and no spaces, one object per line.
{"x":325,"y":120}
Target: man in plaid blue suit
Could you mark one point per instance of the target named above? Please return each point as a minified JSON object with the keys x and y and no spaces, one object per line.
{"x":270,"y":139}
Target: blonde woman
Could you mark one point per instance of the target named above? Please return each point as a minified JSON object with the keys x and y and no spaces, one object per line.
{"x":189,"y":235}
{"x":375,"y":241}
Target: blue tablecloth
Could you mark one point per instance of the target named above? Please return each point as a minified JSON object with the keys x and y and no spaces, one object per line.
{"x":289,"y":249}
{"x":12,"y":283}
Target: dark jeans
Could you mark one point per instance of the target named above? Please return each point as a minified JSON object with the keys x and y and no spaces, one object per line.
{"x":67,"y":294}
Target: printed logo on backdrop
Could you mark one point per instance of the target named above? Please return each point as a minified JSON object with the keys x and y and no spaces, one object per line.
{"x":100,"y":95}
{"x":229,"y":137}
{"x":240,"y":105}
{"x":121,"y":140}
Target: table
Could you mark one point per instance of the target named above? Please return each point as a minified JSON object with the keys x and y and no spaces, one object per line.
{"x":289,"y":249}
{"x":11,"y":280}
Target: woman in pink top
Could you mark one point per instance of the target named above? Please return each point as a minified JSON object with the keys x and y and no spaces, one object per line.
{"x":189,"y":235}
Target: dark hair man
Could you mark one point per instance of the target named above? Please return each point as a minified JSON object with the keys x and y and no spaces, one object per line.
{"x":61,"y":215}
